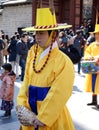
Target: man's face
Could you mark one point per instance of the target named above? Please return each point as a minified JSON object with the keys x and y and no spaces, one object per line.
{"x":25,"y":39}
{"x":42,"y":37}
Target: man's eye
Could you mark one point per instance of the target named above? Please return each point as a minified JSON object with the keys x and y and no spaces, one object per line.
{"x":40,"y":32}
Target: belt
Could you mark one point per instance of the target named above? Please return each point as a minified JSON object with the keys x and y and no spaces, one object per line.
{"x":36,"y":94}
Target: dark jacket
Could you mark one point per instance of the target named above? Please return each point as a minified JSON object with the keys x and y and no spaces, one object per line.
{"x":72,"y":53}
{"x":79,"y":43}
{"x":12,"y":50}
{"x":22,"y":49}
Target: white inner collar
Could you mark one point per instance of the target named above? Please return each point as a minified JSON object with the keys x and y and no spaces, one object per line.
{"x":46,"y":51}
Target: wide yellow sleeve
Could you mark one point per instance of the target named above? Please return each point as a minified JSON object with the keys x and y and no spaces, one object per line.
{"x":22,"y":98}
{"x":58,"y":95}
{"x":92,"y":50}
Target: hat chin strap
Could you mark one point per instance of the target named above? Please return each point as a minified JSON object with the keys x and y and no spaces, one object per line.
{"x":51,"y":38}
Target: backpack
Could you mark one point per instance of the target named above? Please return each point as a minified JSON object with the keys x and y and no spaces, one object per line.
{"x":73,"y":53}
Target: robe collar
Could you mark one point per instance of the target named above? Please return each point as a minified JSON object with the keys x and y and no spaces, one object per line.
{"x":46,"y":51}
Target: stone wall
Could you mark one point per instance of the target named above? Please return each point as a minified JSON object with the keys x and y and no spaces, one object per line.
{"x":14,"y":17}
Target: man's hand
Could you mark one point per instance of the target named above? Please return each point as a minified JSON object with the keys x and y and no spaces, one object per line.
{"x":25,"y":116}
{"x":91,"y":58}
{"x":37,"y":123}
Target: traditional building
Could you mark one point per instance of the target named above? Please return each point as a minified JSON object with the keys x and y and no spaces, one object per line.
{"x":17,"y":14}
{"x":67,"y":11}
{"x":95,"y":7}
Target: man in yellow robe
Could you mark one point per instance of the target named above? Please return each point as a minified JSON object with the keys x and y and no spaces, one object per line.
{"x":92,"y":80}
{"x":48,"y":80}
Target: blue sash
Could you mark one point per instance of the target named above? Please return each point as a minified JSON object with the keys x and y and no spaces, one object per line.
{"x":36,"y":94}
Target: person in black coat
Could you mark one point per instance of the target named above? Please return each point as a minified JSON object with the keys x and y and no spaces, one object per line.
{"x":67,"y":47}
{"x":12,"y":50}
{"x":22,"y":51}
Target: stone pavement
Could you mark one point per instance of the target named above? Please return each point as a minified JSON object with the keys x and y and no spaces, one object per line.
{"x":84,"y":117}
{"x":11,"y":123}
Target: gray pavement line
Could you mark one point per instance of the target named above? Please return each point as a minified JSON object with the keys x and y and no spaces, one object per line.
{"x":11,"y":119}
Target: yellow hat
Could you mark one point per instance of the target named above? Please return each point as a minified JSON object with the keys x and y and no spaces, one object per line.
{"x":46,"y":20}
{"x":96,"y":28}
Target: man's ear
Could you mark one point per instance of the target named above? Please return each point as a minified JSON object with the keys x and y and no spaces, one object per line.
{"x":54,"y":36}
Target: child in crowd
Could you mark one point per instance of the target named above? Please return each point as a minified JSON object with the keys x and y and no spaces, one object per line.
{"x":7,"y":78}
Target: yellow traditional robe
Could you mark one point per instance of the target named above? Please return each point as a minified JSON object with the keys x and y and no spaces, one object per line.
{"x":59,"y":75}
{"x":92,"y":50}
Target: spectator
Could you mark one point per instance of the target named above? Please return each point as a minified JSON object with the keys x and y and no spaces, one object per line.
{"x":90,"y":39}
{"x":79,"y":43}
{"x":2,"y":46}
{"x":12,"y":50}
{"x":65,"y":43}
{"x":22,"y":51}
{"x":6,"y":42}
{"x":7,"y":89}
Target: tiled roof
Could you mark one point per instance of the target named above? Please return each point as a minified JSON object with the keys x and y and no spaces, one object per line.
{"x":9,"y":2}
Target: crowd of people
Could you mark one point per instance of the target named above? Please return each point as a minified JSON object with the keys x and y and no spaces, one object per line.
{"x":46,"y":60}
{"x":11,"y":50}
{"x":14,"y":50}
